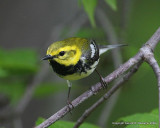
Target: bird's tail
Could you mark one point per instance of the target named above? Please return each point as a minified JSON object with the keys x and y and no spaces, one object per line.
{"x":104,"y":48}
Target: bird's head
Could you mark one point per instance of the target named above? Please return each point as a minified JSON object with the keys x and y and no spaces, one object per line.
{"x":64,"y":52}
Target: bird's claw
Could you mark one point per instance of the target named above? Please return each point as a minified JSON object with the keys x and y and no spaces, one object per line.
{"x":70,"y":105}
{"x":103,"y":83}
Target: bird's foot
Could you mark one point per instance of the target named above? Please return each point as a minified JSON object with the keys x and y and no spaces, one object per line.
{"x":70,"y":106}
{"x":103,"y":83}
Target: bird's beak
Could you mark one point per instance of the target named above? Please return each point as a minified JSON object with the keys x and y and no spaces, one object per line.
{"x":47,"y":57}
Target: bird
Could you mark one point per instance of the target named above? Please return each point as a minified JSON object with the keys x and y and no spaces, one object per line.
{"x":75,"y":58}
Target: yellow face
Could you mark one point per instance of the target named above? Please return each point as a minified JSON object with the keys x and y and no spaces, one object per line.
{"x":68,"y":52}
{"x":65,"y":55}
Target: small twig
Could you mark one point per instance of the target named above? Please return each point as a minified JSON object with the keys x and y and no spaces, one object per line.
{"x":107,"y":95}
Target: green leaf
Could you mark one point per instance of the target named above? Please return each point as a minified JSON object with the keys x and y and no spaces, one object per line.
{"x":89,"y":7}
{"x":18,"y":61}
{"x":65,"y":124}
{"x":47,"y":89}
{"x":112,"y":4}
{"x":145,"y":120}
{"x":155,"y":112}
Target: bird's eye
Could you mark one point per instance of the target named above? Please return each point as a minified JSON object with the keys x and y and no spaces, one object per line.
{"x":62,"y":53}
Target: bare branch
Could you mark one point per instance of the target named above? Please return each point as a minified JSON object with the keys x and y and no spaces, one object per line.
{"x":153,"y":41}
{"x":107,"y":95}
{"x":150,"y":59}
{"x":94,"y":89}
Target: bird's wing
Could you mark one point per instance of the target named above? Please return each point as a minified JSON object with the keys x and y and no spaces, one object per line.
{"x":92,"y":53}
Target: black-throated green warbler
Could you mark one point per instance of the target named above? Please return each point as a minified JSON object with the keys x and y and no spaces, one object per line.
{"x":75,"y":58}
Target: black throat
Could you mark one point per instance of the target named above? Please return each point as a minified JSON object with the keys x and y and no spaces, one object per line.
{"x":68,"y":70}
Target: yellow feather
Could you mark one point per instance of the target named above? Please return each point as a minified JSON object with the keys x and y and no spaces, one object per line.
{"x":71,"y":59}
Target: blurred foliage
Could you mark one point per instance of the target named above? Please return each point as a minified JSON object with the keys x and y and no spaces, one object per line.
{"x":3,"y":73}
{"x":18,"y":61}
{"x":138,"y":95}
{"x":65,"y":124}
{"x":15,"y":68}
{"x":87,"y":32}
{"x":112,"y":4}
{"x":13,"y":90}
{"x":47,"y":89}
{"x":96,"y":33}
{"x":144,"y":120}
{"x":89,"y":7}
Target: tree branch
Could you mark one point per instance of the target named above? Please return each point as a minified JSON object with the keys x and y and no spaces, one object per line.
{"x":94,"y":89}
{"x":150,"y":59}
{"x":150,"y":45}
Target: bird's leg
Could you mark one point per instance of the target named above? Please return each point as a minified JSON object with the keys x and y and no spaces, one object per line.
{"x":69,"y":90}
{"x":103,"y":83}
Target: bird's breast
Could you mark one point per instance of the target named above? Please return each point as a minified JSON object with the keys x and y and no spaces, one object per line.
{"x":74,"y":72}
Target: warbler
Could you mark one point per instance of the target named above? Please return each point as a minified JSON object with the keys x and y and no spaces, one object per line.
{"x":75,"y":58}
